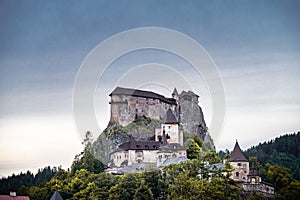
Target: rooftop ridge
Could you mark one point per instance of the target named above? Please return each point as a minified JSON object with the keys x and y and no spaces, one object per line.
{"x":237,"y":154}
{"x":141,"y":93}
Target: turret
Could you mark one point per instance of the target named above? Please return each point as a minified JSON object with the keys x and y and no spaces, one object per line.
{"x":240,"y":164}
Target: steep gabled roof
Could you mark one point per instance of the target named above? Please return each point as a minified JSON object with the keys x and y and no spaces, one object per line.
{"x":142,"y":93}
{"x":56,"y":196}
{"x":170,"y":117}
{"x":237,"y":154}
{"x":175,"y":92}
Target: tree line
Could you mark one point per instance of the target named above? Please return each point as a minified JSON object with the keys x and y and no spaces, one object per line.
{"x":196,"y":178}
{"x":283,"y":151}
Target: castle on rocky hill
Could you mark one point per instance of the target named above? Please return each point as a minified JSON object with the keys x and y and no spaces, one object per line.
{"x":128,"y":104}
{"x":150,"y":125}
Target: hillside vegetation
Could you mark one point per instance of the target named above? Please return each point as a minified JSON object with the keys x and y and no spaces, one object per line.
{"x":283,"y":151}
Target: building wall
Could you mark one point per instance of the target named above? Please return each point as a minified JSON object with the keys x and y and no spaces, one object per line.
{"x":149,"y":156}
{"x":259,"y":188}
{"x":241,"y":171}
{"x":125,"y":108}
{"x":162,"y":156}
{"x":176,"y":135}
{"x":119,"y":158}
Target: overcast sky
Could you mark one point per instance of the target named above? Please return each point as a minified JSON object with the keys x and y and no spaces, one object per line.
{"x":254,"y":44}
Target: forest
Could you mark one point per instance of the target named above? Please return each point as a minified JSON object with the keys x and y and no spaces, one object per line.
{"x":196,"y":178}
{"x":283,"y":151}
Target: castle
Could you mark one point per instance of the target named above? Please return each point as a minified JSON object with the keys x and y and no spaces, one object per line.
{"x":181,"y":112}
{"x":127,"y":104}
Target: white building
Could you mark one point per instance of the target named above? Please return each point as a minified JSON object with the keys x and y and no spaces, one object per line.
{"x":168,"y":144}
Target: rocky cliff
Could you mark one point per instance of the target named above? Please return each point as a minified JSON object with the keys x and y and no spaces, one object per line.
{"x":141,"y":129}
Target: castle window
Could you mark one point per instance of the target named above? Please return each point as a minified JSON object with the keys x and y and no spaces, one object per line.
{"x":237,"y":174}
{"x":239,"y":164}
{"x":137,"y":101}
{"x":169,"y":127}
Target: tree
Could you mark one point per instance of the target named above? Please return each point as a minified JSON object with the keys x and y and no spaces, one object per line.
{"x":104,"y":183}
{"x":193,"y":150}
{"x":86,"y":159}
{"x":185,"y":188}
{"x":143,"y":193}
{"x":278,"y":176}
{"x":126,"y":187}
{"x":152,"y":178}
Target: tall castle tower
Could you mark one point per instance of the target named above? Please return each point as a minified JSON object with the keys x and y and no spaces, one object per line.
{"x":239,"y":163}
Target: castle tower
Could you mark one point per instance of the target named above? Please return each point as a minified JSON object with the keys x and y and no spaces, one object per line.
{"x":239,"y":163}
{"x":175,"y":94}
{"x":170,"y":128}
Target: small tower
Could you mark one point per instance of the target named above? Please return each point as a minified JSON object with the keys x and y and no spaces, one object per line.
{"x":239,"y":163}
{"x":170,"y":128}
{"x":175,"y":94}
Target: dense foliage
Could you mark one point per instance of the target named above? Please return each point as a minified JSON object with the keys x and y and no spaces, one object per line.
{"x":196,"y":178}
{"x":283,"y":151}
{"x":14,"y":182}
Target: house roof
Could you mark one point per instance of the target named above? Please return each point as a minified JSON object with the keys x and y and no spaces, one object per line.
{"x":237,"y":154}
{"x":56,"y":196}
{"x":136,"y":167}
{"x":138,"y":145}
{"x":171,"y":147}
{"x":142,"y":93}
{"x":173,"y":160}
{"x":170,"y":117}
{"x":8,"y":197}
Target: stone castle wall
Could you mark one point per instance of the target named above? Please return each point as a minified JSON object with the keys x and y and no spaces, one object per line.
{"x":124,"y":108}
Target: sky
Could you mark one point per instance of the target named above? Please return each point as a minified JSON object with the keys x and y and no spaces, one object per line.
{"x":254,"y":44}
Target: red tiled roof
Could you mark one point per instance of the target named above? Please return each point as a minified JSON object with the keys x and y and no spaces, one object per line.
{"x":8,"y":197}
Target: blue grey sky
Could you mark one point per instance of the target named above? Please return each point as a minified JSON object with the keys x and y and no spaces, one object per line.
{"x":255,"y":45}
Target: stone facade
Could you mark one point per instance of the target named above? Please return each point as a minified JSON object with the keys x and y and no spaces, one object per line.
{"x":127,"y":104}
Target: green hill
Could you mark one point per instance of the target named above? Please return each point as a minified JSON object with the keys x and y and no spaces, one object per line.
{"x":283,"y":150}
